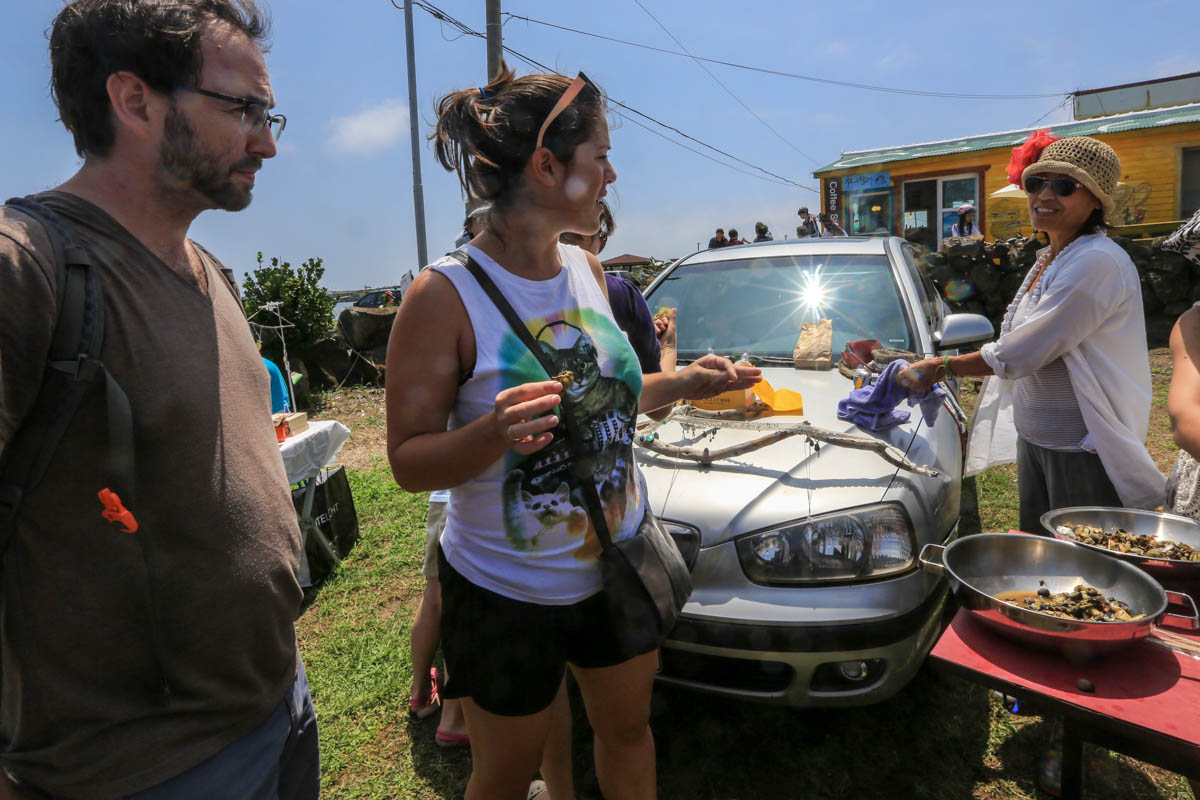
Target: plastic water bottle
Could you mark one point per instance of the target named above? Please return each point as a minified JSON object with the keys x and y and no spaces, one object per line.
{"x":744,"y":361}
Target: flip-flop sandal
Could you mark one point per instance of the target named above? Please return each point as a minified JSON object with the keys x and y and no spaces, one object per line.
{"x":420,"y":709}
{"x":451,"y":739}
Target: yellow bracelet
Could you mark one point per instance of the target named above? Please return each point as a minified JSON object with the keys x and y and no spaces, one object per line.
{"x":946,"y":366}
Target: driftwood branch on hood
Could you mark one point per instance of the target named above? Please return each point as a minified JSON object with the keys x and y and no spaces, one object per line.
{"x":685,"y":415}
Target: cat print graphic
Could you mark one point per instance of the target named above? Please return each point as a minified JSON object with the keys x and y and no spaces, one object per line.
{"x":543,"y":501}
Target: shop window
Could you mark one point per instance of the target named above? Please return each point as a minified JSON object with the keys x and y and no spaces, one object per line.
{"x":869,"y":213}
{"x":955,"y":192}
{"x":1189,"y":182}
{"x":920,"y":211}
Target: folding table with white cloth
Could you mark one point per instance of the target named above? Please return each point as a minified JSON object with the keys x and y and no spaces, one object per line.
{"x":305,"y":456}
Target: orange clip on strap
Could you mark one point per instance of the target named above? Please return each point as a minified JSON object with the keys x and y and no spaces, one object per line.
{"x":114,"y":511}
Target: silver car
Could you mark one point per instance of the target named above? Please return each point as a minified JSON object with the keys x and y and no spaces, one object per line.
{"x":807,"y":587}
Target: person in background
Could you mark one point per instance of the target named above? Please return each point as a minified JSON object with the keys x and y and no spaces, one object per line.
{"x":733,"y":237}
{"x":1183,"y":398}
{"x":808,"y":225}
{"x":718,"y":240}
{"x":652,"y":337}
{"x":424,"y":699}
{"x":474,"y":224}
{"x":966,"y":222}
{"x":279,"y":391}
{"x":520,"y":583}
{"x":761,"y":234}
{"x":830,"y":228}
{"x":153,"y":656}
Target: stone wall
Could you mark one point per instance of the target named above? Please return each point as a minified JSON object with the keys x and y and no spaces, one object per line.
{"x":982,"y":278}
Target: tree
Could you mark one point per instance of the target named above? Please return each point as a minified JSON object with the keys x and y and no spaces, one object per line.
{"x":302,"y":302}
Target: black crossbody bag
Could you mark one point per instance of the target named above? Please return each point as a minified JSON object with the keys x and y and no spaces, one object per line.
{"x":646,"y":581}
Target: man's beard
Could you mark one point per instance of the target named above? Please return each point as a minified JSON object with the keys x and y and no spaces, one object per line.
{"x":187,"y":167}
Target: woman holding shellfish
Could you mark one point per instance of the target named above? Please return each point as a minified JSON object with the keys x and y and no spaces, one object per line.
{"x":469,"y":408}
{"x":1068,"y":393}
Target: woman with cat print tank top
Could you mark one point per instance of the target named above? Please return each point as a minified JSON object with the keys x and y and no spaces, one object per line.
{"x":469,"y":409}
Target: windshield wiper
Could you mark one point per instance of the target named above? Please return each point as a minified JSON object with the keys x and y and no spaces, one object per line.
{"x":688,"y":356}
{"x":756,"y":360}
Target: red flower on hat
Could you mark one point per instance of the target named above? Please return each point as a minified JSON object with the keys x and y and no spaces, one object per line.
{"x":1028,"y":153}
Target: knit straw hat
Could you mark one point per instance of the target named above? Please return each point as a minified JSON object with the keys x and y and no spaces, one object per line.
{"x":1089,"y":161}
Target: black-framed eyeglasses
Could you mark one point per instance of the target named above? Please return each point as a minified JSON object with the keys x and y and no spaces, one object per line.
{"x":255,"y":115}
{"x":1063,"y":187}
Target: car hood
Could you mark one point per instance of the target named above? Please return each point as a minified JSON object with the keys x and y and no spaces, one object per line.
{"x":781,"y":482}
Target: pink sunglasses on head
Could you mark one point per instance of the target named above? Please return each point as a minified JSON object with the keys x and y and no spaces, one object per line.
{"x":567,"y":98}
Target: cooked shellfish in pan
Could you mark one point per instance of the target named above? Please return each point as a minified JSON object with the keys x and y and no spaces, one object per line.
{"x":1084,"y":603}
{"x":1121,"y":541}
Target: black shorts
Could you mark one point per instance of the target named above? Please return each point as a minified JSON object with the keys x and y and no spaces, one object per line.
{"x":509,"y":656}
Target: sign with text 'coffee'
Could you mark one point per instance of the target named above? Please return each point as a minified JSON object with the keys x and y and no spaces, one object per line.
{"x":831,"y":192}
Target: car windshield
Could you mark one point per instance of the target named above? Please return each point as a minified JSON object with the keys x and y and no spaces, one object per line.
{"x":756,"y":305}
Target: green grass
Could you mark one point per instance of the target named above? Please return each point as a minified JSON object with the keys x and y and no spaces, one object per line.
{"x":939,"y":739}
{"x":354,"y":639}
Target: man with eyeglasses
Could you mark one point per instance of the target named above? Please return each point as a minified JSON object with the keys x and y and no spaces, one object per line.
{"x":147,"y":643}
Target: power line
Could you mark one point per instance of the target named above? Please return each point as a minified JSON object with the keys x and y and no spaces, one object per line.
{"x":648,"y":129}
{"x":728,"y":91}
{"x":771,"y":177}
{"x":797,"y":76}
{"x":778,"y":178}
{"x":1066,"y":100}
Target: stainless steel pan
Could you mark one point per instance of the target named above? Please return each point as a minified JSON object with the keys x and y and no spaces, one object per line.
{"x":1170,"y":572}
{"x":982,"y":566}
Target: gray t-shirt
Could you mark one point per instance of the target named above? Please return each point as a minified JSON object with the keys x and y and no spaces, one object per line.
{"x":1045,"y":410}
{"x":126,"y":659}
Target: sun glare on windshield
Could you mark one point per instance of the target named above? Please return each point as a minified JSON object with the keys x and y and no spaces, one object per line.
{"x":812,"y":293}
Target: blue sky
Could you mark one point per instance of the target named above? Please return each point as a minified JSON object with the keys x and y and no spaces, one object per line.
{"x":341,"y":186}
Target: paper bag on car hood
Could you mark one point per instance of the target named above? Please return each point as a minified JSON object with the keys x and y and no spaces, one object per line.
{"x":814,"y":348}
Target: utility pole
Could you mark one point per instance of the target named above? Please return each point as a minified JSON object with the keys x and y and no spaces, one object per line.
{"x":495,"y":48}
{"x":414,"y":136}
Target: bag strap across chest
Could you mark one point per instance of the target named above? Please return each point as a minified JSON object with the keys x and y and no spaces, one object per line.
{"x":73,"y":368}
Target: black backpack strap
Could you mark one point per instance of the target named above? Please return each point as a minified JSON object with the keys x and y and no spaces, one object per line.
{"x":581,"y":463}
{"x":73,"y":367}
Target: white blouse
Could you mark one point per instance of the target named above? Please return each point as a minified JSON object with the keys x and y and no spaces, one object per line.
{"x":1089,"y":312}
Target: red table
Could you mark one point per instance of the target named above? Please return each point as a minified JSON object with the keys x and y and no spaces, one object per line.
{"x":1146,"y":702}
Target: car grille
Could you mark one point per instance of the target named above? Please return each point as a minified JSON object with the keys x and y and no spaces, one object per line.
{"x":727,"y":673}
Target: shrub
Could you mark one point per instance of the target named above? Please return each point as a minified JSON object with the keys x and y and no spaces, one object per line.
{"x":302,"y":302}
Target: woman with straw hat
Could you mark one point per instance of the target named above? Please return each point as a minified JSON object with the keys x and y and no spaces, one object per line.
{"x":1068,"y":393}
{"x":1069,"y":397}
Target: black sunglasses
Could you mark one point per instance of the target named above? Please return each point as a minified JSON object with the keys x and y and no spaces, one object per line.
{"x":1063,"y":187}
{"x":255,"y":115}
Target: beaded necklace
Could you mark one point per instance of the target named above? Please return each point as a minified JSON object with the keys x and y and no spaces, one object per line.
{"x":1010,"y":312}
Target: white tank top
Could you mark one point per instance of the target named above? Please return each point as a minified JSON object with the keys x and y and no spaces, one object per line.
{"x":521,"y":528}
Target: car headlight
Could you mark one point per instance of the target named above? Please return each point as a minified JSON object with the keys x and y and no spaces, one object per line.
{"x":865,"y":543}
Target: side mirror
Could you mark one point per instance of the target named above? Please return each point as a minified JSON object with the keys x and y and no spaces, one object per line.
{"x":958,"y":330}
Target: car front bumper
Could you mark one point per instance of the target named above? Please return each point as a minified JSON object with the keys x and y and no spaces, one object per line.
{"x":799,"y":664}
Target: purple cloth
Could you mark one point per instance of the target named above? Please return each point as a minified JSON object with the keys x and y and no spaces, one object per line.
{"x":874,"y":407}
